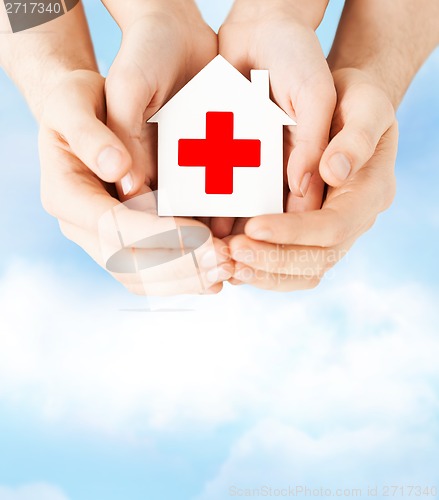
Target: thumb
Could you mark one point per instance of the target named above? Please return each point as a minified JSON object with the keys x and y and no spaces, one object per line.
{"x":314,"y":109}
{"x":76,"y":121}
{"x":368,"y":118}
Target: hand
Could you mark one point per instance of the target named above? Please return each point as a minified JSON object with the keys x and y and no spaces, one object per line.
{"x":73,"y":138}
{"x":279,"y":37}
{"x":164,"y":45}
{"x":293,"y":251}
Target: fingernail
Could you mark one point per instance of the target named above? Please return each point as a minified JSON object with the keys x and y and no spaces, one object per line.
{"x":208,"y":260}
{"x":304,"y":185}
{"x":243,"y":255}
{"x":236,"y":282}
{"x":109,"y":162}
{"x":127,"y":184}
{"x":245,"y":274}
{"x":340,"y":166}
{"x":261,"y":234}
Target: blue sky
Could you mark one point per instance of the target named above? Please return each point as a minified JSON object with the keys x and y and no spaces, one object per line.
{"x":337,"y":387}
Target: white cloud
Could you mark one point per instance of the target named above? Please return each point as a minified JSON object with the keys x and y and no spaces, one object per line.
{"x":82,"y":358}
{"x":40,"y":491}
{"x":349,"y":354}
{"x":356,"y":401}
{"x":279,"y":456}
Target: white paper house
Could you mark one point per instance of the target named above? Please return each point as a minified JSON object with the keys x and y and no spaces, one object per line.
{"x":220,"y":146}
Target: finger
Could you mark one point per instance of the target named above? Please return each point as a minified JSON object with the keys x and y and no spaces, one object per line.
{"x":309,"y":262}
{"x":76,"y":121}
{"x":273,"y":282}
{"x":311,"y":201}
{"x":204,"y":220}
{"x":239,"y":226}
{"x":145,"y":251}
{"x":72,"y":194}
{"x":214,"y":290}
{"x":319,"y":228}
{"x":365,"y":122}
{"x":235,"y":282}
{"x":184,"y":275}
{"x":222,"y":226}
{"x":314,"y":197}
{"x":314,"y":107}
{"x":183,"y":279}
{"x":208,"y":259}
{"x":160,"y":271}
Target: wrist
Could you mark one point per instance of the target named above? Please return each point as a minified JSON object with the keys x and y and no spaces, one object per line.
{"x":381,"y":77}
{"x":36,"y":95}
{"x":39,"y":59}
{"x":387,"y":40}
{"x":130,"y":11}
{"x":86,"y":83}
{"x":309,"y":14}
{"x":36,"y":77}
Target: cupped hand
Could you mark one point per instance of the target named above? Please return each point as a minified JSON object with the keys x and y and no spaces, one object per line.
{"x":294,"y":250}
{"x":274,"y":36}
{"x":164,"y":45}
{"x":73,"y":141}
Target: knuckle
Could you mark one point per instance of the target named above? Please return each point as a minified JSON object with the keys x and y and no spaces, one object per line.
{"x":78,"y":134}
{"x":363,"y":141}
{"x":82,"y":134}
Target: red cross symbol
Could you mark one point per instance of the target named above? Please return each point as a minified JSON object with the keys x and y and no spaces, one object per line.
{"x":219,"y":153}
